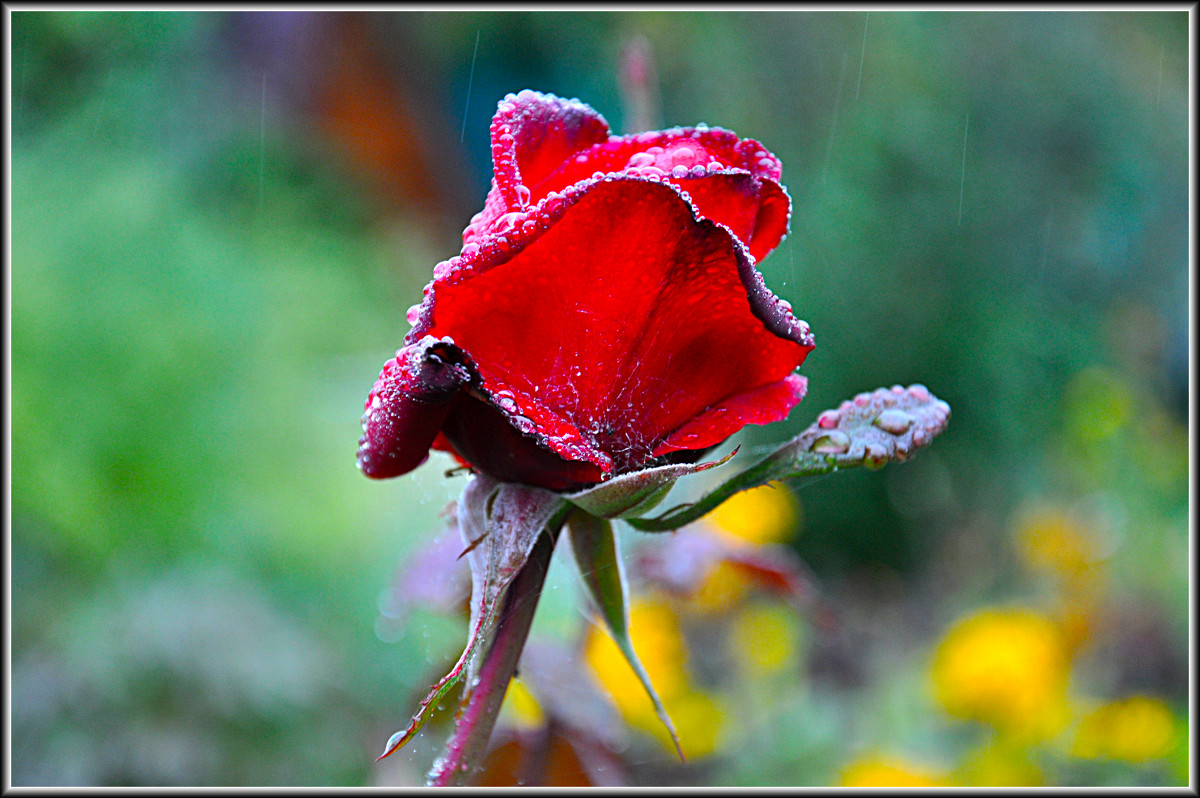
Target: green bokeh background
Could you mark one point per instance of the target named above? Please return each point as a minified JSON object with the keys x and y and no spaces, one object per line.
{"x":206,"y":278}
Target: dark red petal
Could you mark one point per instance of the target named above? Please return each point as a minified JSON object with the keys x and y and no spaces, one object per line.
{"x":607,"y":330}
{"x":486,"y":438}
{"x":763,"y":405}
{"x":757,"y":211}
{"x":408,"y":404}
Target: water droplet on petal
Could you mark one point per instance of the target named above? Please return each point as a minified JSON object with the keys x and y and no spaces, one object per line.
{"x":508,"y":221}
{"x":523,"y":193}
{"x":413,"y":314}
{"x":828,"y":419}
{"x":680,"y":171}
{"x":640,"y":159}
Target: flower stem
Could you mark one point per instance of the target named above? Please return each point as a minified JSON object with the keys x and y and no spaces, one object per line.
{"x":477,"y":714}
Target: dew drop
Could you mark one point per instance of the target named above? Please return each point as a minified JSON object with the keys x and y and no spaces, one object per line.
{"x":413,"y":314}
{"x":874,"y":456}
{"x":679,"y":172}
{"x":683,"y":155}
{"x":828,"y":419}
{"x":836,"y":442}
{"x":894,"y":420}
{"x":523,"y":424}
{"x":523,"y":193}
{"x":639,"y":159}
{"x":470,"y":250}
{"x":509,"y":221}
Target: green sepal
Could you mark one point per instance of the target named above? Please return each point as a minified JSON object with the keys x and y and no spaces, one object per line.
{"x":595,"y":548}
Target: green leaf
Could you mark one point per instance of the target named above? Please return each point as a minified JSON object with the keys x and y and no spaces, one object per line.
{"x":871,"y":430}
{"x":636,"y":492}
{"x":595,"y":549}
{"x":499,"y":523}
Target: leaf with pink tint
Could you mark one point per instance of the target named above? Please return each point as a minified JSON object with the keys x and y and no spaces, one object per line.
{"x":499,"y":524}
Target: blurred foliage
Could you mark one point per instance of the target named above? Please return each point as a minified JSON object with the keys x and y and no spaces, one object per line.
{"x":219,"y":218}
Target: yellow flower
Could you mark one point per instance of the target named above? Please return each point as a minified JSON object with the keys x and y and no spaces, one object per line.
{"x":879,"y":771}
{"x":1051,"y":540}
{"x":1134,"y":729}
{"x":1008,"y":668}
{"x":520,"y":709}
{"x":765,"y":637}
{"x":658,"y":640}
{"x":1001,"y":763}
{"x":723,"y":585}
{"x":767,"y":514}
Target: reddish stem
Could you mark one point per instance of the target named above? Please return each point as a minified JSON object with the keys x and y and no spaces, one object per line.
{"x":477,"y":715}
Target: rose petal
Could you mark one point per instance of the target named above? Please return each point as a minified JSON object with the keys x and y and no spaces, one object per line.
{"x":408,"y":405}
{"x":756,"y":211}
{"x":616,"y":325}
{"x":532,"y":135}
{"x":764,"y":405}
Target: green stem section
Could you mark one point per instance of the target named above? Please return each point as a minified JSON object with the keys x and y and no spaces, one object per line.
{"x":477,"y":714}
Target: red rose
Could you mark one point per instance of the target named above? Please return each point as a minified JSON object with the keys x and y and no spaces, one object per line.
{"x":605,"y":313}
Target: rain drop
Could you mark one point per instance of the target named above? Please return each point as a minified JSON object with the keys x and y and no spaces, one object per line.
{"x":828,"y":419}
{"x":894,"y":420}
{"x":836,"y":442}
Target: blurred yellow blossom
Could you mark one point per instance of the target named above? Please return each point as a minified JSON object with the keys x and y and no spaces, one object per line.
{"x":765,"y":637}
{"x":520,"y":709}
{"x":1050,"y":539}
{"x":879,"y":771}
{"x":1008,"y":668}
{"x":767,"y":514}
{"x":1000,"y":763}
{"x":723,"y":585}
{"x":658,"y":640}
{"x":1135,"y":729}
